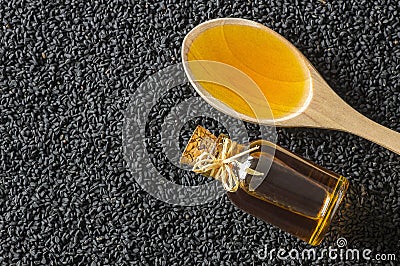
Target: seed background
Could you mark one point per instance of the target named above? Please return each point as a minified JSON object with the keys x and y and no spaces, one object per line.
{"x":66,"y":73}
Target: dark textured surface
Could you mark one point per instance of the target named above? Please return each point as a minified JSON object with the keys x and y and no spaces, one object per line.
{"x":66,"y":73}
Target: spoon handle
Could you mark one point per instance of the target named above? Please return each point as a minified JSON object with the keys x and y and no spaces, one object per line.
{"x":345,"y":118}
{"x":330,"y":111}
{"x":361,"y":126}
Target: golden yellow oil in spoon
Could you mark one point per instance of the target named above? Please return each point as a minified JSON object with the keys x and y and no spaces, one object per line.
{"x":269,"y":61}
{"x":243,"y":66}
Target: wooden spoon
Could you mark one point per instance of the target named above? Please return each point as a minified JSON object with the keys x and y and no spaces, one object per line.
{"x":323,"y":109}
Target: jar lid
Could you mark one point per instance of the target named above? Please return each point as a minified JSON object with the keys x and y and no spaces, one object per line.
{"x":201,"y":141}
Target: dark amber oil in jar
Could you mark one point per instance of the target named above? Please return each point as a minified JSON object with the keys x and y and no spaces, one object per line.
{"x":287,"y":191}
{"x":296,"y":195}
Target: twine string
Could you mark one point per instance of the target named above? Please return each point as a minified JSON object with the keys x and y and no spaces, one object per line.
{"x":208,"y":162}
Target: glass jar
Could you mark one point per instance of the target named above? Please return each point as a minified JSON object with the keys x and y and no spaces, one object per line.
{"x":269,"y":182}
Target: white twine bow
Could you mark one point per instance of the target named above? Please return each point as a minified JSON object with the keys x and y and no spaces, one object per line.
{"x":207,"y":162}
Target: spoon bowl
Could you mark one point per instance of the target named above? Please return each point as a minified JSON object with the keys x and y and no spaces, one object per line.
{"x":316,"y":106}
